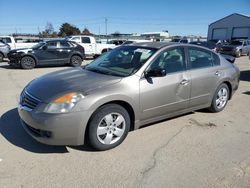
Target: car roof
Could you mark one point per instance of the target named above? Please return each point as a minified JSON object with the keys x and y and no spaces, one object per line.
{"x":158,"y":45}
{"x":56,"y":40}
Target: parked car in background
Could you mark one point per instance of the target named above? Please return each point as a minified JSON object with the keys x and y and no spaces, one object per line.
{"x":124,"y":89}
{"x":236,"y":48}
{"x":131,"y":41}
{"x":208,"y":44}
{"x":180,"y":40}
{"x":16,"y":45}
{"x":91,"y":47}
{"x":51,"y":52}
{"x":4,"y":50}
{"x":116,"y":42}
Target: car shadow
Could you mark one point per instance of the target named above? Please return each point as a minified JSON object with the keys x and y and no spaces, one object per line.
{"x":12,"y":130}
{"x":245,"y":75}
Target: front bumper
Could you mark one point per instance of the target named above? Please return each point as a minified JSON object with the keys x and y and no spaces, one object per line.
{"x":14,"y":59}
{"x":55,"y":129}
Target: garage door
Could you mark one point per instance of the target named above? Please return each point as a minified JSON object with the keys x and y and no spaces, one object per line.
{"x":219,"y":34}
{"x":241,"y":32}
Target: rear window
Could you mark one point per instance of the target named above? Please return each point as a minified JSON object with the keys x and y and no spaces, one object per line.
{"x":85,"y":40}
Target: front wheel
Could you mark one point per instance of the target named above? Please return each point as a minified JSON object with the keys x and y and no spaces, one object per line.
{"x":28,"y":62}
{"x":108,"y":127}
{"x":75,"y":61}
{"x":220,"y":98}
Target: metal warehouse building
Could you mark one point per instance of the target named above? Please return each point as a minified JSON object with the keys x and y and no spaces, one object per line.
{"x":234,"y":26}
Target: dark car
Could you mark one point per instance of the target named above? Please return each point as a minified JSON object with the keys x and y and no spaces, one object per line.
{"x":236,"y":48}
{"x":53,"y":52}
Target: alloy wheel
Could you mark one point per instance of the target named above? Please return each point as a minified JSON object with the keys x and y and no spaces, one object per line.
{"x":111,"y":128}
{"x":222,"y":97}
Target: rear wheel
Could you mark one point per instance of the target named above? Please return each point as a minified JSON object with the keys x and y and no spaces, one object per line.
{"x":1,"y":57}
{"x":220,"y":98}
{"x":28,"y":62}
{"x":75,"y":61}
{"x":238,"y":54}
{"x":108,"y":127}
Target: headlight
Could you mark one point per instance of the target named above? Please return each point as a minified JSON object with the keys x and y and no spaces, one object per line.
{"x":64,"y":103}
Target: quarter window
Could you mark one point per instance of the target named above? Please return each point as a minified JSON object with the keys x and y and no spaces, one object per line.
{"x":199,"y":58}
{"x":172,"y":60}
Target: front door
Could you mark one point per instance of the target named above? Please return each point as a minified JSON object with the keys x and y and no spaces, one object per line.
{"x":167,"y":94}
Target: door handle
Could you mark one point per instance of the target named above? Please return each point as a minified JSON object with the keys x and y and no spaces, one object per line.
{"x":217,"y":73}
{"x":60,"y":50}
{"x":184,"y":82}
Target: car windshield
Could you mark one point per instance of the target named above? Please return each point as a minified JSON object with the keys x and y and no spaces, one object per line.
{"x":122,"y":61}
{"x":38,"y":45}
{"x":236,"y":42}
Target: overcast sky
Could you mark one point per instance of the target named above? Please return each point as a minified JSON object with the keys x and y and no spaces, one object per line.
{"x":126,"y":16}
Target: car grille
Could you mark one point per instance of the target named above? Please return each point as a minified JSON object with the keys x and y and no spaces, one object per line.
{"x":28,"y":100}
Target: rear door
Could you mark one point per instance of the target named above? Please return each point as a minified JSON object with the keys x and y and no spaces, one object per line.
{"x":205,"y":74}
{"x":168,"y":94}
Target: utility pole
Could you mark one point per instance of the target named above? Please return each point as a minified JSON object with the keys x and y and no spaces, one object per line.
{"x":106,"y":28}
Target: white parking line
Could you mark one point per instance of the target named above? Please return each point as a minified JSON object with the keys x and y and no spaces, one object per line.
{"x":1,"y":160}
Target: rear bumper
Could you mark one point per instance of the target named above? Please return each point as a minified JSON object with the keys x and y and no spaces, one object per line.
{"x":55,"y":129}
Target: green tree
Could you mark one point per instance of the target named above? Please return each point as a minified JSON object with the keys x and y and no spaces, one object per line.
{"x":87,"y":32}
{"x":67,"y":29}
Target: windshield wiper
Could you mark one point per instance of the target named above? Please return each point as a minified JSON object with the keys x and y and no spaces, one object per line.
{"x":101,"y":71}
{"x":96,"y":70}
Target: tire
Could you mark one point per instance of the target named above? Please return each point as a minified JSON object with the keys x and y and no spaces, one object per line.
{"x":27,"y":62}
{"x":220,"y":98}
{"x":75,"y":61}
{"x":1,"y":57}
{"x":108,"y":127}
{"x":238,"y":54}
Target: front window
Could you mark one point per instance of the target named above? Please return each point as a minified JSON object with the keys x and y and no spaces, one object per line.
{"x":171,"y":60}
{"x":122,"y":61}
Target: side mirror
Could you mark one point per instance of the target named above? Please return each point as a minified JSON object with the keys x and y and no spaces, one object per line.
{"x":155,"y":73}
{"x":45,"y":47}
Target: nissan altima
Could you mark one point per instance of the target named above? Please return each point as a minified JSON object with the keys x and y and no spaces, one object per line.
{"x":124,"y":89}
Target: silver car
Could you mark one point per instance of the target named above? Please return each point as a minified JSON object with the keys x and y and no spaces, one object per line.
{"x":124,"y":89}
{"x":4,"y":50}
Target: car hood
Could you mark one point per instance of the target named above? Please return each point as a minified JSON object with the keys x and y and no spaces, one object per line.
{"x":22,"y":50}
{"x":230,"y":46}
{"x":52,"y":85}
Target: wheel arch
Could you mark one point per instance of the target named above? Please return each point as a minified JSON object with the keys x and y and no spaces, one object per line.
{"x":126,"y":105}
{"x":29,"y":55}
{"x":229,"y":85}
